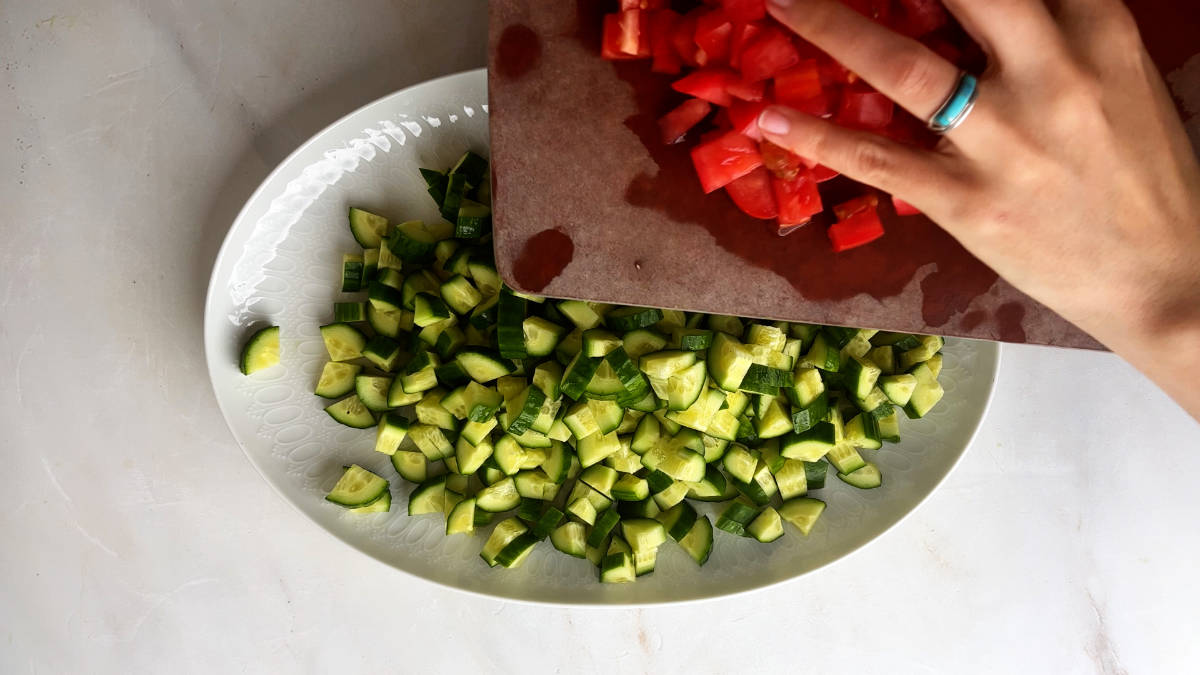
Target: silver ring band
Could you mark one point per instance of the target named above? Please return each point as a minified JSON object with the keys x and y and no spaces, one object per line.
{"x":957,"y":105}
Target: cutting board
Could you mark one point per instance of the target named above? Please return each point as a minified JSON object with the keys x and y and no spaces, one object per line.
{"x":589,"y":204}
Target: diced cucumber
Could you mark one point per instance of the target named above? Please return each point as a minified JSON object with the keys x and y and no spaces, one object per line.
{"x":860,"y":376}
{"x":483,"y":365}
{"x":698,"y":541}
{"x":570,"y":538}
{"x":431,"y":441}
{"x":889,"y":427}
{"x":385,"y":322}
{"x":926,"y":393}
{"x":372,"y":391}
{"x":498,"y":497}
{"x":351,"y":412}
{"x":845,"y":458}
{"x":774,"y":421}
{"x":524,"y":409}
{"x":802,"y":512}
{"x":580,"y":313}
{"x":461,"y":519}
{"x":632,"y":318}
{"x":862,"y":431}
{"x":337,"y":379}
{"x":730,"y":325}
{"x":597,"y":343}
{"x":369,"y":229}
{"x":767,"y":526}
{"x":471,"y":456}
{"x":640,"y":342}
{"x":736,"y":518}
{"x":343,"y":342}
{"x":510,"y":335}
{"x":428,"y":497}
{"x":866,"y":477}
{"x":929,"y":345}
{"x":382,"y":351}
{"x":540,"y":336}
{"x":474,"y":220}
{"x":728,"y":361}
{"x":810,"y":445}
{"x":630,"y":488}
{"x":505,"y":532}
{"x":357,"y":487}
{"x":352,"y":272}
{"x":578,"y":374}
{"x":594,"y":448}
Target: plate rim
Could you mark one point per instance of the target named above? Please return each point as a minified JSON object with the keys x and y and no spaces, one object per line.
{"x":993,"y":351}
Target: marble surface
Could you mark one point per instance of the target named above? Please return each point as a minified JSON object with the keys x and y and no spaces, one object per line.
{"x":136,"y":534}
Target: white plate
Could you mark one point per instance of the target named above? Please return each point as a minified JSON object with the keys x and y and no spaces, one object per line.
{"x":281,"y":264}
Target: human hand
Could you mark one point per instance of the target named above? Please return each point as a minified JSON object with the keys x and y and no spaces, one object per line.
{"x":1072,"y":177}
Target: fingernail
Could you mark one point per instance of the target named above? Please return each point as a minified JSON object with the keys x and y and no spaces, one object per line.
{"x":781,"y":3}
{"x":773,"y":122}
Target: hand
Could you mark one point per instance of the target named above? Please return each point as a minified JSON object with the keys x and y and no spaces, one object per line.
{"x":1073,"y":177}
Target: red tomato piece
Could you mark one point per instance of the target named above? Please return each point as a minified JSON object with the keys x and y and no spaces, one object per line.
{"x":861,"y":228}
{"x":708,"y":84}
{"x":713,"y":30}
{"x":781,"y":162}
{"x":865,"y":110}
{"x":643,"y":4}
{"x":799,"y":84}
{"x":834,"y":74}
{"x":849,"y":208}
{"x":675,"y":124}
{"x":753,"y":195}
{"x":610,"y":43}
{"x":742,"y":35}
{"x":769,"y":53}
{"x":903,"y":208}
{"x":662,"y":28}
{"x":743,"y":117}
{"x":823,"y":173}
{"x":747,"y":91}
{"x":919,"y":17}
{"x":744,"y":11}
{"x":797,"y":199}
{"x":684,"y":40}
{"x":725,"y":159}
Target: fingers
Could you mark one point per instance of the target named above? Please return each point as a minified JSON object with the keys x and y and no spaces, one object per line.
{"x":1018,"y":32}
{"x":916,"y":176}
{"x":901,"y":68}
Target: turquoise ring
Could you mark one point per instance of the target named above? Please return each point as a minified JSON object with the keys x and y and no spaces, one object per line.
{"x":958,"y":105}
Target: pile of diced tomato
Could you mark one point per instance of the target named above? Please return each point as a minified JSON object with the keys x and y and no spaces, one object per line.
{"x":734,"y":58}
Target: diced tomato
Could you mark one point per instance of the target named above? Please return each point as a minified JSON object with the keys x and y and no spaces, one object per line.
{"x":781,"y":162}
{"x":797,"y":199}
{"x":744,"y":11}
{"x":753,"y":195}
{"x":725,"y":159}
{"x":743,"y":116}
{"x":798,"y":84}
{"x":903,"y":208}
{"x":823,"y":173}
{"x":713,"y":30}
{"x":684,"y":40}
{"x":865,"y":110}
{"x":675,"y":124}
{"x":624,"y":37}
{"x":849,"y":208}
{"x":835,"y":74}
{"x":662,"y":27}
{"x":747,"y":91}
{"x":742,"y":35}
{"x":919,"y":17}
{"x":861,"y":228}
{"x":769,"y":53}
{"x":708,"y":84}
{"x":643,"y":4}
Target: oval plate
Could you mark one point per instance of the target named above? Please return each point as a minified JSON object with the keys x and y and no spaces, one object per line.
{"x":281,"y":264}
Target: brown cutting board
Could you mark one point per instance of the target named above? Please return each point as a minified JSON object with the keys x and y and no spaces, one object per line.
{"x":589,"y":204}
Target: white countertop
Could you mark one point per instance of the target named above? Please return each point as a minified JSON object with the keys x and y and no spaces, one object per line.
{"x":138,"y":537}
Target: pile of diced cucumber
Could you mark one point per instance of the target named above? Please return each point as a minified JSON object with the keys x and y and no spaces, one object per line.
{"x":592,"y":425}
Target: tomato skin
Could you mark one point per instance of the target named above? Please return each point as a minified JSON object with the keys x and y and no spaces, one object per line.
{"x":797,"y":199}
{"x":747,"y":91}
{"x":708,"y":84}
{"x":643,"y":4}
{"x":743,"y":34}
{"x":864,"y":110}
{"x":799,"y":84}
{"x":823,"y":173}
{"x":752,"y":194}
{"x":684,"y":40}
{"x":769,"y":53}
{"x":853,"y":206}
{"x":903,"y":208}
{"x":744,"y":11}
{"x":724,"y":159}
{"x":662,"y":27}
{"x":713,"y":31}
{"x":675,"y":124}
{"x":859,"y":229}
{"x":743,"y":117}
